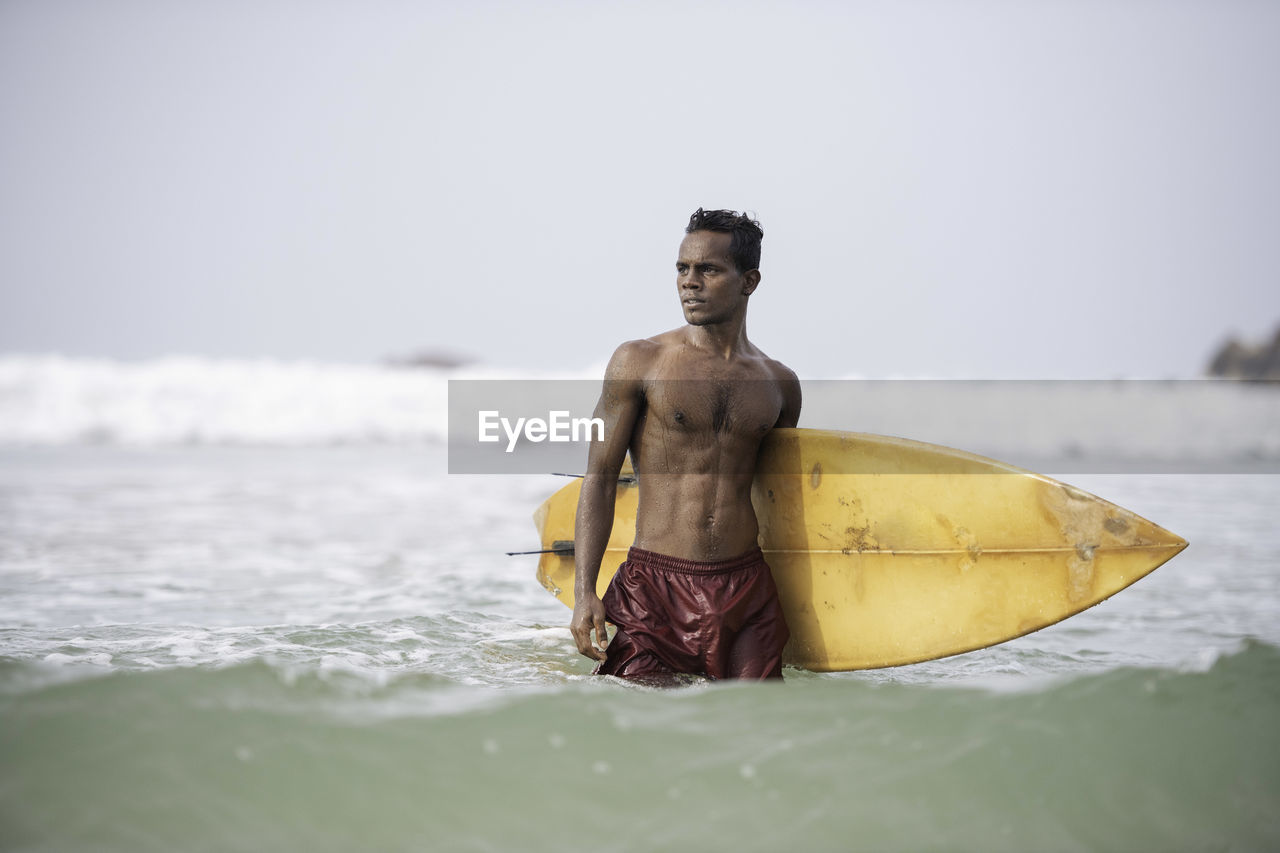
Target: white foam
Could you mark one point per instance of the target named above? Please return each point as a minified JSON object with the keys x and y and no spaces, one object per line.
{"x":187,"y":400}
{"x":54,"y":400}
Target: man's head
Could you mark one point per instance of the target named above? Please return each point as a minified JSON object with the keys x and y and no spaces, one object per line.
{"x":716,"y":270}
{"x":744,"y":232}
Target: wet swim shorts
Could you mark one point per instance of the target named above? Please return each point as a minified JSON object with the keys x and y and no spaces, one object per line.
{"x":719,"y":619}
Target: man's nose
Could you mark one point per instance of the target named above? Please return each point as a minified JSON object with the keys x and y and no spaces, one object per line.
{"x":691,"y":280}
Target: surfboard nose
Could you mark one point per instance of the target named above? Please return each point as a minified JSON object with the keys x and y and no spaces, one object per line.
{"x":1171,"y":542}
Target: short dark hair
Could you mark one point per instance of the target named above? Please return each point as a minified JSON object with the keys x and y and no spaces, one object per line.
{"x":744,"y":247}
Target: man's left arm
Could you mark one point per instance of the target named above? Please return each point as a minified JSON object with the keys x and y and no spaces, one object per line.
{"x":790,"y":385}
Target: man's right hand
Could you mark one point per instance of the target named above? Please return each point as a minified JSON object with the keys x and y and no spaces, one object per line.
{"x":588,"y":613}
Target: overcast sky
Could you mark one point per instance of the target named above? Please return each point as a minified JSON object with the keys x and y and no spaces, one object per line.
{"x":980,"y":189}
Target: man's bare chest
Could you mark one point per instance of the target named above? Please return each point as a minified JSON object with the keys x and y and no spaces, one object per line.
{"x":725,"y":405}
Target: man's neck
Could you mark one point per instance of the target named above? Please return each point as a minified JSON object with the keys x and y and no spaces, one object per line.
{"x":724,"y":340}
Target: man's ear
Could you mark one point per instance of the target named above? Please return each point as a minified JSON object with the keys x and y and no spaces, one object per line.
{"x":752,"y":281}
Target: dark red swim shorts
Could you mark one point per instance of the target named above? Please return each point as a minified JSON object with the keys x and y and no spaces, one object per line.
{"x":719,"y":619}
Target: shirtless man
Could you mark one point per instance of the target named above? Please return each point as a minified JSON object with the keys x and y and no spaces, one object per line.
{"x":692,"y":406}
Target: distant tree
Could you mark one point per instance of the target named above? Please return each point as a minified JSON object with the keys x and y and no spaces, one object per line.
{"x":1236,"y":360}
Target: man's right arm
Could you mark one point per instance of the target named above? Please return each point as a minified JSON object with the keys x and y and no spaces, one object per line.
{"x":620,"y":404}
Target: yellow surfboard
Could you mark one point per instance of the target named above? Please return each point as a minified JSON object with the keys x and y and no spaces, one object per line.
{"x":887,"y":551}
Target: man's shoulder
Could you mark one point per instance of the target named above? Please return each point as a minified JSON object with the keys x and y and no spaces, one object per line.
{"x":637,"y":350}
{"x":642,"y":351}
{"x":786,"y":380}
{"x":631,"y":359}
{"x":777,"y":371}
{"x":782,"y":373}
{"x":669,"y":338}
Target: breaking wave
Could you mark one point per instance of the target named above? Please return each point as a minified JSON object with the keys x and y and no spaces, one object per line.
{"x":188,"y":400}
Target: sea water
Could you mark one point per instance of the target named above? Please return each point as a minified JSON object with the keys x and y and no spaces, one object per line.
{"x":287,"y":637}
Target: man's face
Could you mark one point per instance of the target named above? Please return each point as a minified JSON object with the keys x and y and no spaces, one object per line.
{"x":710,"y":286}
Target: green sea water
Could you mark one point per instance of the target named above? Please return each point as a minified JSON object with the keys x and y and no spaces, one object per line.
{"x":253,"y":757}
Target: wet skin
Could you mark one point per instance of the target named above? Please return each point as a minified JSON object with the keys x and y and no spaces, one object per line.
{"x":692,"y":405}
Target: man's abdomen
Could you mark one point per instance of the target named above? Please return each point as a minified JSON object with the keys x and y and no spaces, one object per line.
{"x":695,"y":517}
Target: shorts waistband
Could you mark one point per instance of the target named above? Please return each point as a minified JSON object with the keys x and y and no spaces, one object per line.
{"x":754,"y":557}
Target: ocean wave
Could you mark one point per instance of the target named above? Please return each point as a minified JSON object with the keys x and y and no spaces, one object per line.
{"x":55,"y":400}
{"x":188,"y":400}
